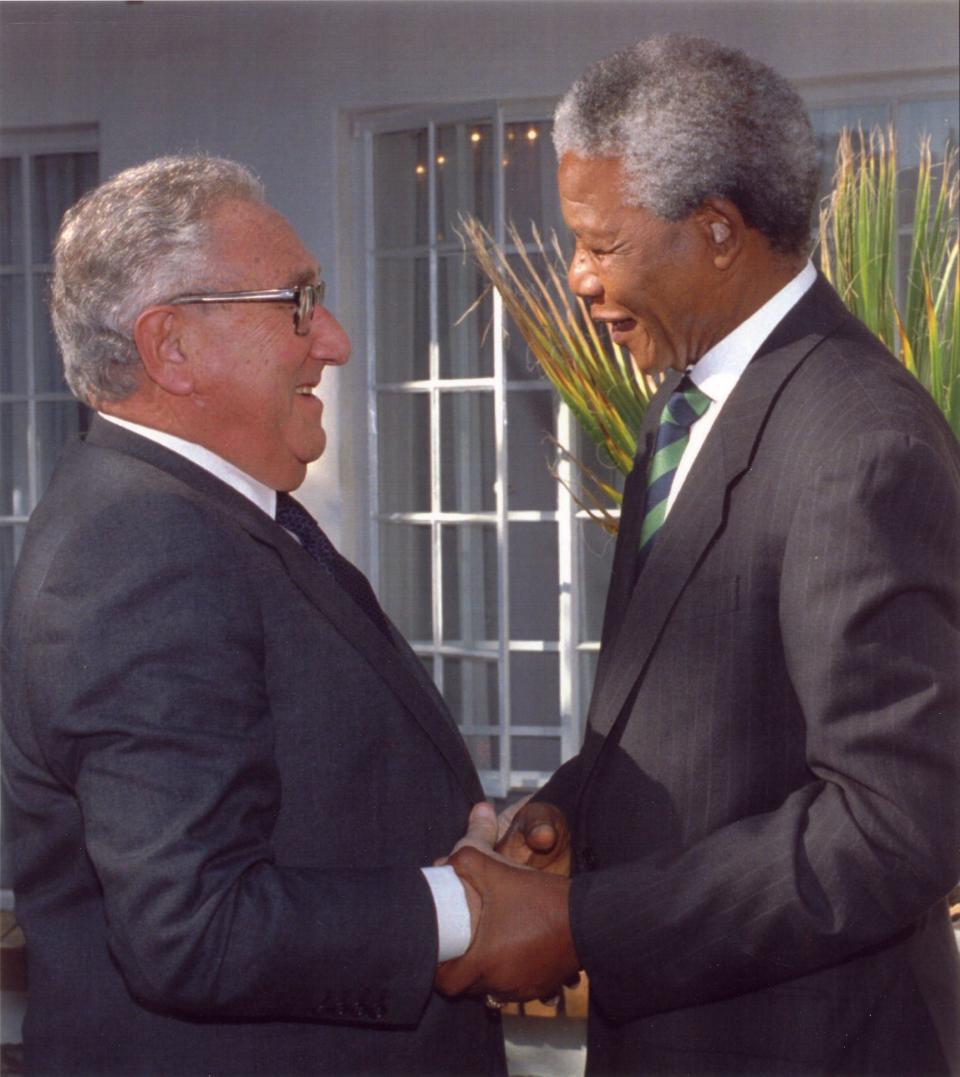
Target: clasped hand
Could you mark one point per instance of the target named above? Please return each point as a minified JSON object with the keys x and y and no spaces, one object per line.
{"x":521,"y":947}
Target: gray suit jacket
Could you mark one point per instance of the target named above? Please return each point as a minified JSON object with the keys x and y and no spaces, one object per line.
{"x":222,"y":781}
{"x":767,"y":804}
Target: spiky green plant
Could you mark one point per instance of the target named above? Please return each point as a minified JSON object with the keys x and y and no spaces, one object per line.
{"x":594,"y":377}
{"x":858,"y":246}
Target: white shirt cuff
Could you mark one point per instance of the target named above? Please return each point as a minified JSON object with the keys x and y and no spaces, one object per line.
{"x":453,"y":913}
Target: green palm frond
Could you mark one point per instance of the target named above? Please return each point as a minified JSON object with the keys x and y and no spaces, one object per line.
{"x":858,"y":246}
{"x":594,"y":377}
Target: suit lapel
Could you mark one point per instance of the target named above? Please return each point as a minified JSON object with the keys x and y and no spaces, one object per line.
{"x":698,"y":513}
{"x":393,"y":660}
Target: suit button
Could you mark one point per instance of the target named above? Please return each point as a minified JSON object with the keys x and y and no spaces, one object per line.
{"x":588,"y":858}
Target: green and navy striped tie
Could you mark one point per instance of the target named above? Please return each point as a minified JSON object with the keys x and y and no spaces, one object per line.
{"x":686,"y":404}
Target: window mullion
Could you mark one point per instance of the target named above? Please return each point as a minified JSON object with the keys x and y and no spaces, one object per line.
{"x":571,"y":720}
{"x":436,"y":536}
{"x":502,"y":505}
{"x":373,"y":427}
{"x":30,"y":298}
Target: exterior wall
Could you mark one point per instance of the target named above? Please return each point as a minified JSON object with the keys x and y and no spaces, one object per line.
{"x":272,"y":84}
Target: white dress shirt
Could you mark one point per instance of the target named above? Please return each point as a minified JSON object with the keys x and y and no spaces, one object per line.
{"x":453,"y":915}
{"x":719,"y":370}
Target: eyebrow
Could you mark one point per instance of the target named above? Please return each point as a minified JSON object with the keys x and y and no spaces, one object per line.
{"x":304,"y":276}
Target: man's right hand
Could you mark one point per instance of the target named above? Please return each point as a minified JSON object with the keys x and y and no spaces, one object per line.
{"x":537,"y":837}
{"x":522,"y":946}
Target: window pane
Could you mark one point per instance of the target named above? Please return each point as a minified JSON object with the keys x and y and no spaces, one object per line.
{"x":464,"y":176}
{"x":403,"y":319}
{"x":470,"y":584}
{"x":400,"y":188}
{"x":531,"y":425}
{"x":57,"y":422}
{"x":466,"y":350}
{"x":470,"y":689}
{"x":534,"y":605}
{"x":828,"y":123}
{"x":530,"y":177}
{"x":535,"y":753}
{"x":915,"y":120}
{"x":13,"y":335}
{"x":938,"y":119}
{"x":404,"y":451}
{"x":14,"y":473}
{"x":596,"y":563}
{"x":11,"y":212}
{"x":48,"y":366}
{"x":588,"y":673}
{"x":520,"y":362}
{"x":58,"y":180}
{"x":405,"y":581}
{"x":534,"y":688}
{"x":468,"y":464}
{"x":485,"y":751}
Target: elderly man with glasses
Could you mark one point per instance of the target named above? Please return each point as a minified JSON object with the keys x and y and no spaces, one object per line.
{"x":225,"y":768}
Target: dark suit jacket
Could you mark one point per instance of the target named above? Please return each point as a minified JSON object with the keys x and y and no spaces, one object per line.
{"x":223,"y":780}
{"x":767,"y":805}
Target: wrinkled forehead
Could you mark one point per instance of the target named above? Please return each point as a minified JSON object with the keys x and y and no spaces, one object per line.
{"x":255,"y":247}
{"x":592,"y":191}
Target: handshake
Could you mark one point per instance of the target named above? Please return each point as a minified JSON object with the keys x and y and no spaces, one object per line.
{"x":515,"y":874}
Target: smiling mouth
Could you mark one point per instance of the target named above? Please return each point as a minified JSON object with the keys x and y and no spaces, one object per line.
{"x":620,"y":326}
{"x":305,"y":390}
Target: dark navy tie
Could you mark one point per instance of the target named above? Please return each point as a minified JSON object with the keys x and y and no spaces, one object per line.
{"x":295,"y":518}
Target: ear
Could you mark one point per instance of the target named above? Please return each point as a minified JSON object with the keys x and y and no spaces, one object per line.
{"x":158,"y":334}
{"x":723,"y":229}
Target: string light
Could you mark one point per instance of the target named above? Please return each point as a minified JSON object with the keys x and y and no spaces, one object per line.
{"x":532,"y":134}
{"x":475,"y":136}
{"x":421,"y":170}
{"x":441,"y":160}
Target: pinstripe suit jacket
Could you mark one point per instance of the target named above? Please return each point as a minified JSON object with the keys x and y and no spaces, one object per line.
{"x":222,"y":782}
{"x":766,"y":808}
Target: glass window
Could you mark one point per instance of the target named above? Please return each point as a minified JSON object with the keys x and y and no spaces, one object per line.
{"x":465,"y":502}
{"x":38,"y":182}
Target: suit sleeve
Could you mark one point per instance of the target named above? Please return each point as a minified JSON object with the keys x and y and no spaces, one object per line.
{"x":870,"y":621}
{"x":148,"y":683}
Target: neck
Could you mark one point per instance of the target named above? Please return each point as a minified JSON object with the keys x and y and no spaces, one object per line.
{"x":753,"y":281}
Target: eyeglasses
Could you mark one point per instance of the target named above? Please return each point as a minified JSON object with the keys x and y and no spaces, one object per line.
{"x":306,"y":296}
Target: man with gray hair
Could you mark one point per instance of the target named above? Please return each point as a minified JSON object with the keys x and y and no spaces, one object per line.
{"x":764,"y":818}
{"x":198,"y":690}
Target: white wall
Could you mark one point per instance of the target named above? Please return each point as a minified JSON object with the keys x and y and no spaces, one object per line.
{"x":268,"y":83}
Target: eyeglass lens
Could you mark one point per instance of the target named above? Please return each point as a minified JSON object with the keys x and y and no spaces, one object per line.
{"x":311,"y":296}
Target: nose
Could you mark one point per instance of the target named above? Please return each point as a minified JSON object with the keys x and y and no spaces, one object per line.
{"x":328,"y":338}
{"x":582,"y":276}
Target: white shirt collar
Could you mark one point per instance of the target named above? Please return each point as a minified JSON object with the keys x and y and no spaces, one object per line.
{"x":262,"y":496}
{"x":717,"y":372}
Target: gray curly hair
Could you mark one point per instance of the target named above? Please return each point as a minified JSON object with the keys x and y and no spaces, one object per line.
{"x":689,"y":119}
{"x":138,"y":239}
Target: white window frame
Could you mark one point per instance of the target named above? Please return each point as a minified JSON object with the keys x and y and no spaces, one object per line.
{"x":499,"y":781}
{"x":26,"y":144}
